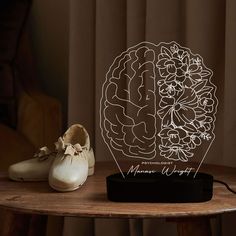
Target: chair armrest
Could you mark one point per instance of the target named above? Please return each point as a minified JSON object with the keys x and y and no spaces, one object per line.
{"x":39,"y":118}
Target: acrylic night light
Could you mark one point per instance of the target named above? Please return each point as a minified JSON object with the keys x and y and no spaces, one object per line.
{"x":157,"y":115}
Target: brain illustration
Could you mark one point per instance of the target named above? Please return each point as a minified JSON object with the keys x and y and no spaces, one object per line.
{"x":157,"y":100}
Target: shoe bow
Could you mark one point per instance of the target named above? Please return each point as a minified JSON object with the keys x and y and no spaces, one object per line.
{"x":43,"y":153}
{"x":68,"y":148}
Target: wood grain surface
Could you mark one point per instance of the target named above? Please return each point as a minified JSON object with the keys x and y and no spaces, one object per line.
{"x":91,"y":200}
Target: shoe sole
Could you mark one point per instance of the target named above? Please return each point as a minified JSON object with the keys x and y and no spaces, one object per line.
{"x":66,"y":189}
{"x":91,"y":171}
{"x":27,"y":180}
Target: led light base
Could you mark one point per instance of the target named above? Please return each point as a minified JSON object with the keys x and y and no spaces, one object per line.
{"x":156,"y":187}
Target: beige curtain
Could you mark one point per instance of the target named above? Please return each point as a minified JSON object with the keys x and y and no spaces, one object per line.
{"x":101,"y":29}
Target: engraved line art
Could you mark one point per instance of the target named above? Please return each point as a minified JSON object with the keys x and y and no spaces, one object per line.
{"x":164,"y":84}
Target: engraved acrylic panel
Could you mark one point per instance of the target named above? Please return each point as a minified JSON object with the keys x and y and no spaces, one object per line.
{"x":157,"y":110}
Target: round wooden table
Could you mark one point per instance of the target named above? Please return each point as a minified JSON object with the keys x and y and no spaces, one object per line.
{"x":34,"y":201}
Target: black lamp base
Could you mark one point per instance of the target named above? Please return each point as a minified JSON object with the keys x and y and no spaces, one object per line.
{"x":156,"y":187}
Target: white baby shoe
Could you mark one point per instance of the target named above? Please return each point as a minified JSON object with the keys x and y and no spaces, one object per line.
{"x":35,"y":169}
{"x":74,"y":161}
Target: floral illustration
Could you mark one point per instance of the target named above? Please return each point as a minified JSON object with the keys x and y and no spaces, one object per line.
{"x":187,"y":105}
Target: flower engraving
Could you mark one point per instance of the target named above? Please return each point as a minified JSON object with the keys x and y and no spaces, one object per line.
{"x":187,"y":105}
{"x":180,"y":110}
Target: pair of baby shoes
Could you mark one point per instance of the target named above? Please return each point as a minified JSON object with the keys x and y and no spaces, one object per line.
{"x":66,"y":167}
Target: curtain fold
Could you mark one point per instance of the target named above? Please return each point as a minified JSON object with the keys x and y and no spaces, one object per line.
{"x":135,"y":24}
{"x":81,"y":107}
{"x":101,"y":29}
{"x":229,"y":84}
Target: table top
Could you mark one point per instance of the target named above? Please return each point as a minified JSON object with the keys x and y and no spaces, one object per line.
{"x":91,"y":200}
